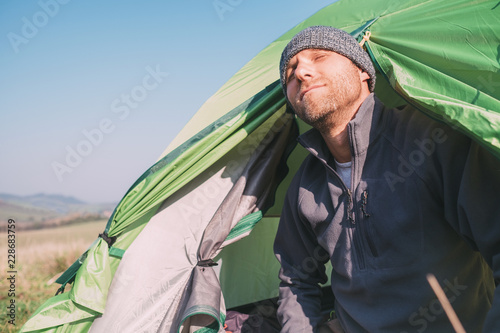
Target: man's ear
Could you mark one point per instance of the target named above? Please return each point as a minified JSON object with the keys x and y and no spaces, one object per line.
{"x":364,"y":76}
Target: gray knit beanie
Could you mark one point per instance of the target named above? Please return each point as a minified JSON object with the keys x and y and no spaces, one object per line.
{"x":327,"y":38}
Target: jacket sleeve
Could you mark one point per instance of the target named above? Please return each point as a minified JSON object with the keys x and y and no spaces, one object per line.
{"x":302,"y":269}
{"x":471,"y":183}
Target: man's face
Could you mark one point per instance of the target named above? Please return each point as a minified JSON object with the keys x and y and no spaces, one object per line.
{"x":322,"y":86}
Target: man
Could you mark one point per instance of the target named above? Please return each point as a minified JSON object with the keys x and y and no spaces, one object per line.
{"x":387,"y":196}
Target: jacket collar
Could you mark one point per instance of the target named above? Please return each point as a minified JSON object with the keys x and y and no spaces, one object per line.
{"x":362,"y":130}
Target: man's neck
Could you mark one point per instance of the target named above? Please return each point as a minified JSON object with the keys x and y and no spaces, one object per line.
{"x":338,"y":145}
{"x":337,"y":139}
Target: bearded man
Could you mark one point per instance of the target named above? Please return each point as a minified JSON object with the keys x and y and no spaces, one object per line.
{"x":387,"y":196}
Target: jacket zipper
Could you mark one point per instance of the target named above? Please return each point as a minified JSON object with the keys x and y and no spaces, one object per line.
{"x":358,"y":243}
{"x":351,"y":217}
{"x":351,"y":209}
{"x":366,"y":224}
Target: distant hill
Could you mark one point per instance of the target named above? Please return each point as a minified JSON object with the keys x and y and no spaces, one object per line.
{"x":43,"y":210}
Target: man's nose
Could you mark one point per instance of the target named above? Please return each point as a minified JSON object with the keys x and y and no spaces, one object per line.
{"x":304,"y":71}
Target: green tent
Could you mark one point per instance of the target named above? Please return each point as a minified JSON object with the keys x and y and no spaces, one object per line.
{"x":225,"y":174}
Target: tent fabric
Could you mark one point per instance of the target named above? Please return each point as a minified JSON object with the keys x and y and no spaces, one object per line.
{"x":451,"y":68}
{"x":204,"y":208}
{"x":250,"y":194}
{"x":68,"y":312}
{"x":441,"y":57}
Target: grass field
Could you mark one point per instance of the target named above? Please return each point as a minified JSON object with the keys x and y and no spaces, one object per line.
{"x":41,"y":255}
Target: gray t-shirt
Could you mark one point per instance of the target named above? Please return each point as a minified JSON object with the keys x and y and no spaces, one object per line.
{"x":344,"y":171}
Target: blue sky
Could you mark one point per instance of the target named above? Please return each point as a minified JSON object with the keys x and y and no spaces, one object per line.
{"x":114,"y":81}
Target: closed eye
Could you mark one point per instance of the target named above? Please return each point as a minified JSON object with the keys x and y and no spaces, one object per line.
{"x":319,"y":56}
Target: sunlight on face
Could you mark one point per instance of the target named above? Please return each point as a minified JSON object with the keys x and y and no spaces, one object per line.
{"x":322,"y":86}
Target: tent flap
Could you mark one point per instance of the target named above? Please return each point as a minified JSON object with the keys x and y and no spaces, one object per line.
{"x":204,"y":303}
{"x":444,"y":59}
{"x":57,"y":311}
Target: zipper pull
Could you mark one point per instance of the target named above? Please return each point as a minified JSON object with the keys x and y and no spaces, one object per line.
{"x":364,"y":200}
{"x":350,"y":213}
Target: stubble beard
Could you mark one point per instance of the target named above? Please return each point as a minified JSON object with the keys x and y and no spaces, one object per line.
{"x":332,"y":110}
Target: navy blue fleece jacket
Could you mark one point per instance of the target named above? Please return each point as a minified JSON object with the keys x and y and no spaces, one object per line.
{"x":424,"y":199}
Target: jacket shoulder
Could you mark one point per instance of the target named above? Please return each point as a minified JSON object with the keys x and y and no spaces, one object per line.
{"x":408,"y":129}
{"x":310,"y":172}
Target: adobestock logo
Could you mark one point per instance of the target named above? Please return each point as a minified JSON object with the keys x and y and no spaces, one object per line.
{"x":31,"y":26}
{"x":224,"y":6}
{"x":425,"y":148}
{"x":122,"y":106}
{"x":423,"y":318}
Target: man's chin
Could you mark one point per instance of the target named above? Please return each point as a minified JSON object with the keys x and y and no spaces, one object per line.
{"x":320,"y":123}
